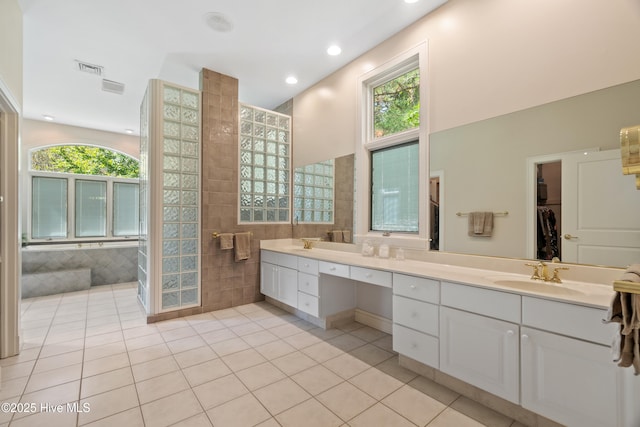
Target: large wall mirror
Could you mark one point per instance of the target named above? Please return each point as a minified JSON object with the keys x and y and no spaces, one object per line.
{"x":550,"y":167}
{"x":323,"y":200}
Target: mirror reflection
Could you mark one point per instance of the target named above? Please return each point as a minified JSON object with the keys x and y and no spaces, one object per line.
{"x":532,"y":164}
{"x":323,"y":200}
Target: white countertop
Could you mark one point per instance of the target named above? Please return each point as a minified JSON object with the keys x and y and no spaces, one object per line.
{"x":576,"y":292}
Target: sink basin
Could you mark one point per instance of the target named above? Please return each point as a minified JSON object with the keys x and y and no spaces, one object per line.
{"x":567,"y":288}
{"x":542,"y":287}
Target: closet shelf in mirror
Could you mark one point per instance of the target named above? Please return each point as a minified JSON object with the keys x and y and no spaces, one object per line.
{"x":503,"y":213}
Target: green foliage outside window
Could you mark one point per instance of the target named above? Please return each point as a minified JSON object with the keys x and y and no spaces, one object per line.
{"x":86,"y":160}
{"x":396,"y":104}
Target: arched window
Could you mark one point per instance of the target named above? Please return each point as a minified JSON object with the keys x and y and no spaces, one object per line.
{"x":82,"y":192}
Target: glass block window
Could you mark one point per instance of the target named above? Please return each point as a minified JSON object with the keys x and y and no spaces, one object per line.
{"x":313,"y":192}
{"x":265,"y":153}
{"x":180,"y":180}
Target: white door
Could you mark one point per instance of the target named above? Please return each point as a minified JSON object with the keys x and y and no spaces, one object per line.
{"x":268,"y":279}
{"x":600,"y":210}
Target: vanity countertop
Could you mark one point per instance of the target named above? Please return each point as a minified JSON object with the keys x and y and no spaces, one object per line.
{"x":576,"y":292}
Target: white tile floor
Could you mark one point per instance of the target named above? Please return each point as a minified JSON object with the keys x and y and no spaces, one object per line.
{"x":253,"y":365}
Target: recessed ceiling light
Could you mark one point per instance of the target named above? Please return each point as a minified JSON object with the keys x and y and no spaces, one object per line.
{"x":411,"y":1}
{"x":334,"y":50}
{"x":129,"y":131}
{"x":48,"y":117}
{"x":291,"y":80}
{"x":218,"y":22}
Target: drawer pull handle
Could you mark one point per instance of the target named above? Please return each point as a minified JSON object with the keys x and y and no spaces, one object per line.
{"x":368,"y":275}
{"x":306,"y":265}
{"x":525,"y":337}
{"x":307,"y":304}
{"x":510,"y":333}
{"x":412,"y":286}
{"x":414,"y":345}
{"x":414,"y":314}
{"x":332,"y":268}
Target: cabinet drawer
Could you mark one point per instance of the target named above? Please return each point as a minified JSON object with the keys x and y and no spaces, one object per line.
{"x":568,"y":319}
{"x":416,"y":345}
{"x":309,"y":266}
{"x":501,"y":305}
{"x":268,"y":256}
{"x":289,"y":261}
{"x":368,"y":275}
{"x":416,"y":287}
{"x":333,"y":268}
{"x":308,"y":303}
{"x":308,"y":284}
{"x":417,"y":315}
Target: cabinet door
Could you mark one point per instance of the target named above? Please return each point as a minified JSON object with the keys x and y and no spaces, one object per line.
{"x":288,"y":286}
{"x":269,"y":279}
{"x":570,"y":381}
{"x":481,"y":351}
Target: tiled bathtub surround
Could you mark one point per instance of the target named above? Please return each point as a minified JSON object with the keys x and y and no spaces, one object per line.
{"x":108,"y":265}
{"x":252,"y":365}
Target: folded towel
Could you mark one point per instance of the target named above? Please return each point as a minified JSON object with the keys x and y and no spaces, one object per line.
{"x":243,"y":246}
{"x":346,"y":236}
{"x":226,"y":240}
{"x":625,"y":309}
{"x":336,"y":236}
{"x":480,"y":224}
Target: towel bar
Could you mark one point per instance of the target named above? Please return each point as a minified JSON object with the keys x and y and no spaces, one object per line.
{"x":626,"y":286}
{"x":503,"y":213}
{"x":215,"y":234}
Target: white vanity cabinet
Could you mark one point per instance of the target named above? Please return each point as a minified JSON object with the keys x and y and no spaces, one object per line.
{"x":415,"y":318}
{"x":567,"y":369}
{"x":279,"y":277}
{"x":479,"y":338}
{"x":308,"y":286}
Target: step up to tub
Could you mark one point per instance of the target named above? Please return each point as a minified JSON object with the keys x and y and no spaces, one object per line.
{"x":55,"y":282}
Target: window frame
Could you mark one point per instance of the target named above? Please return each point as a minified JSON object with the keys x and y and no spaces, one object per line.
{"x":366,"y":142}
{"x":71,"y":207}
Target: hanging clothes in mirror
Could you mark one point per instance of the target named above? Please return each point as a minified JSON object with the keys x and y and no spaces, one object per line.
{"x":547,"y":234}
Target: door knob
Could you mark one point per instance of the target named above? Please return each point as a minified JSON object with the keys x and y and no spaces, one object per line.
{"x":570,"y":237}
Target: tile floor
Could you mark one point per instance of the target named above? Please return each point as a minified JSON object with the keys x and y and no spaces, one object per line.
{"x":253,"y":365}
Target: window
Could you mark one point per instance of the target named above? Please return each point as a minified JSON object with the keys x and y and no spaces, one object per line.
{"x":126,"y":212}
{"x":49,"y":208}
{"x":394,"y":188}
{"x":391,"y":153}
{"x":264,"y":166}
{"x":83,"y":192}
{"x":396,"y":104}
{"x":91,"y":208}
{"x":313,"y":192}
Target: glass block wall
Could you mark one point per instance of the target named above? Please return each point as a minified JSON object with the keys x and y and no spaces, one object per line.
{"x":173,"y":210}
{"x":313,"y":192}
{"x":265,"y":153}
{"x":143,"y":229}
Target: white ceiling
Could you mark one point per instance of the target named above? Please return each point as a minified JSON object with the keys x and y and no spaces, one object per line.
{"x":137,"y":40}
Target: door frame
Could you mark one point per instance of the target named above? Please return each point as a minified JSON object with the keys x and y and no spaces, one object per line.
{"x":531,"y":196}
{"x":10,"y":226}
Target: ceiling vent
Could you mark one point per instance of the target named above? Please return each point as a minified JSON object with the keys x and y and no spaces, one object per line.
{"x":113,"y":87}
{"x":85,"y":67}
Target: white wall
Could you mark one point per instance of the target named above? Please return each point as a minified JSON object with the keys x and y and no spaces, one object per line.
{"x":486,"y":58}
{"x":37,"y":133}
